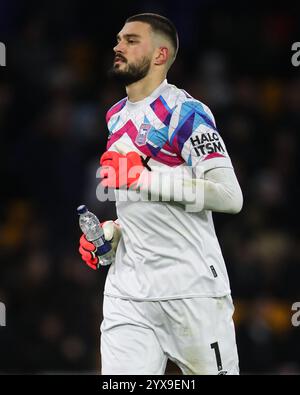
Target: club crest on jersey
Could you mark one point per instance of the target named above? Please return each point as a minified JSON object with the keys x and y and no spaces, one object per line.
{"x":141,"y":138}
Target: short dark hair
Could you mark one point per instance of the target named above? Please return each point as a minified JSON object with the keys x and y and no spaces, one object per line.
{"x":159,"y":24}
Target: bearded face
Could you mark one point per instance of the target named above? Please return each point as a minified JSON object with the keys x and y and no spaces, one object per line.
{"x":129,"y":72}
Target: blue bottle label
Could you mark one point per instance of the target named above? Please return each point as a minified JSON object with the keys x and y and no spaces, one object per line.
{"x":104,"y":248}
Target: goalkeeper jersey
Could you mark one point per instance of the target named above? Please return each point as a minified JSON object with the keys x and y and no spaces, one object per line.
{"x":166,"y":252}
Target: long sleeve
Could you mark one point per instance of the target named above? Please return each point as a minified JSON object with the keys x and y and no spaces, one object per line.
{"x":207,"y":179}
{"x":217,"y":191}
{"x":222,"y":192}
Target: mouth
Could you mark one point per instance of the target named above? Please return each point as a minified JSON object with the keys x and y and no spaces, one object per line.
{"x":118,"y":59}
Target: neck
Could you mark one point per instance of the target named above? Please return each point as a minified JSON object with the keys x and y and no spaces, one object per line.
{"x":143,"y":88}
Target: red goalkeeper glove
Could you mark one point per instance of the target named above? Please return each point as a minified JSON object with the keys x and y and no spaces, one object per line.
{"x":88,"y":252}
{"x":120,"y":171}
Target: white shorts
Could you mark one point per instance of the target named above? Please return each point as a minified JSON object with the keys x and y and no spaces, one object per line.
{"x":197,"y":334}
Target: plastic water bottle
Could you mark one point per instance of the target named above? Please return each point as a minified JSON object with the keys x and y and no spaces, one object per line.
{"x":90,"y":226}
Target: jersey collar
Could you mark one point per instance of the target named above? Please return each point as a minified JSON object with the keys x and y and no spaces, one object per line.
{"x":154,"y":95}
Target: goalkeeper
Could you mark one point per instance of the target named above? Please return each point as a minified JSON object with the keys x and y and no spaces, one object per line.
{"x":167,"y":295}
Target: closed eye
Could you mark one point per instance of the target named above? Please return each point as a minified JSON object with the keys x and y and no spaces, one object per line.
{"x":130,"y":38}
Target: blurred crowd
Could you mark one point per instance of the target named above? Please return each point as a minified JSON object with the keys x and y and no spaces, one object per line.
{"x":54,"y":93}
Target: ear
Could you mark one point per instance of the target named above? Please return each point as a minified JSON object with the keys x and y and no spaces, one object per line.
{"x":162,"y":56}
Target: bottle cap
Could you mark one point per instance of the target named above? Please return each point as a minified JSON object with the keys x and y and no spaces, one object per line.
{"x":82,"y":209}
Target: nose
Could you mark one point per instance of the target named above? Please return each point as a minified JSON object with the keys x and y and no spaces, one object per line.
{"x":119,"y":47}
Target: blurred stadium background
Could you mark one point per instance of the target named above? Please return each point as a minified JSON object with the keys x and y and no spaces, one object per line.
{"x":54,"y":93}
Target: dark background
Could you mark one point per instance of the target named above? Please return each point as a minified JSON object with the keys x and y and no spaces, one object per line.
{"x":54,"y":93}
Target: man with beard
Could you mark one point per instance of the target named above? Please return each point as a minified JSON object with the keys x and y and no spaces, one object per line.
{"x":167,"y":295}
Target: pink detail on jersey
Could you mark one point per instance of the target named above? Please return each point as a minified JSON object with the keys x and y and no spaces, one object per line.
{"x":214,"y":155}
{"x":171,"y":161}
{"x":130,"y":129}
{"x":168,"y":147}
{"x":161,"y":111}
{"x":175,"y":144}
{"x":115,"y":109}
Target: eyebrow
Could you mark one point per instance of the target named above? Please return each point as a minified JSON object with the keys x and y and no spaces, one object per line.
{"x":132,"y":35}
